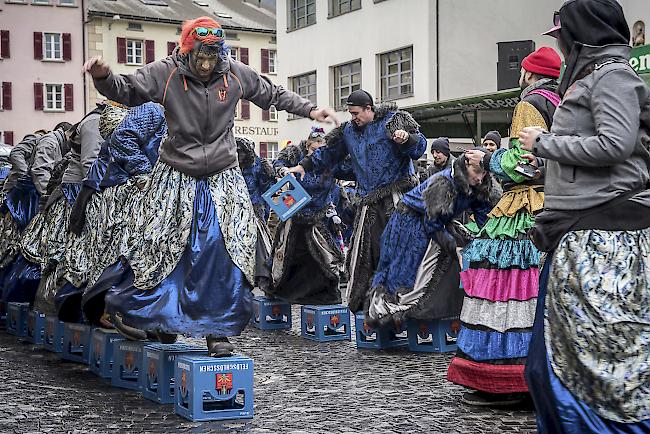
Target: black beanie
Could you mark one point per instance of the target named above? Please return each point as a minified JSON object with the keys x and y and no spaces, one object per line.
{"x":441,"y":144}
{"x":494,"y":136}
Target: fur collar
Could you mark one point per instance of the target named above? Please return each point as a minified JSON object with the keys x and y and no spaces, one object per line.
{"x":440,"y":195}
{"x":382,"y":110}
{"x":293,"y":153}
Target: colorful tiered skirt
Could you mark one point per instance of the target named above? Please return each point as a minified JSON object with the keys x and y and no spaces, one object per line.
{"x":501,"y":287}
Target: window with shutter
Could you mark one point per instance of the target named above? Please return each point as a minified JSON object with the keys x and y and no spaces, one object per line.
{"x":243,"y":53}
{"x":273,"y":54}
{"x":170,"y":47}
{"x":69,"y":97}
{"x":6,"y":96}
{"x":245,"y":109}
{"x":38,"y":46}
{"x":54,"y":98}
{"x":9,"y":137}
{"x":150,"y":51}
{"x":38,"y":96}
{"x":134,"y":52}
{"x":273,"y":114}
{"x":5,"y":49}
{"x":121,"y":50}
{"x":67,"y":46}
{"x":265,"y":61}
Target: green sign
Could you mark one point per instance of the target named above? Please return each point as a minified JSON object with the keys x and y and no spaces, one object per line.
{"x":640,"y":59}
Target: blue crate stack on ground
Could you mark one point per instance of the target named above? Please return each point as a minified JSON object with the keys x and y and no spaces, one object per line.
{"x":380,"y":338}
{"x":210,"y":388}
{"x":76,"y":342}
{"x":53,"y":334}
{"x":325,"y":323}
{"x":271,"y":314}
{"x":100,"y":358}
{"x":159,"y":361}
{"x":127,"y":364}
{"x":17,"y":318}
{"x":433,"y":336}
{"x":35,"y":327}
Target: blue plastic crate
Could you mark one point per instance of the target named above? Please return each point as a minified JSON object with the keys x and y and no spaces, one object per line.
{"x":76,"y":342}
{"x":53,"y":334}
{"x":433,"y":336}
{"x":17,"y":318}
{"x":127,"y":364}
{"x":271,"y":314}
{"x":286,"y":197}
{"x":379,"y":338}
{"x":3,"y":315}
{"x":209,"y":388}
{"x":159,"y":360}
{"x":325,"y":323}
{"x":100,"y":358}
{"x":35,"y":327}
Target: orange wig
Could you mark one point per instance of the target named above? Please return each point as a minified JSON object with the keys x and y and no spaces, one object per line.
{"x":188,"y":37}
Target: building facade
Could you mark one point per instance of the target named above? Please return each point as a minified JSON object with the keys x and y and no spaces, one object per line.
{"x":131,"y":33}
{"x":41,"y":55}
{"x":409,"y":51}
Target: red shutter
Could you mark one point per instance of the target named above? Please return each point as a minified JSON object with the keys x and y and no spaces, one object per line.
{"x":149,"y":51}
{"x":68,"y":96}
{"x":121,"y":50}
{"x":67,"y":47}
{"x":265,"y":61}
{"x":38,"y":46}
{"x":243,"y":55}
{"x":264,"y":149}
{"x":9,"y":138}
{"x":38,"y":96}
{"x":170,"y":47}
{"x":5,"y":50}
{"x":6,"y":96}
{"x":265,"y":115}
{"x":245,"y":109}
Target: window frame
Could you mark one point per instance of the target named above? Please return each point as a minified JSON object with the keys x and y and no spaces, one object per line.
{"x":293,"y":7}
{"x":272,"y":154}
{"x":295,"y":87}
{"x":273,"y":114}
{"x":235,"y":54}
{"x":337,"y":87}
{"x":45,"y":51}
{"x":334,"y":7}
{"x":46,"y":100}
{"x":72,"y":4}
{"x":386,"y":76}
{"x":273,"y":61}
{"x":135,"y":57}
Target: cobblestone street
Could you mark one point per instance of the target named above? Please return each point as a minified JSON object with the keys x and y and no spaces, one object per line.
{"x":300,"y":387}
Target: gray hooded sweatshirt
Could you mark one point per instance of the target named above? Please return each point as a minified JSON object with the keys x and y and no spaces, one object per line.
{"x":595,"y":150}
{"x":200,"y":115}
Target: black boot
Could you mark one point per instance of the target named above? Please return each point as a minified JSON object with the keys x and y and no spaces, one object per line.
{"x":166,"y":338}
{"x":219,"y":346}
{"x":131,"y":333}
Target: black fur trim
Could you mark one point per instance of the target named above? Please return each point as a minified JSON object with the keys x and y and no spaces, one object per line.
{"x":245,"y":152}
{"x":293,"y":153}
{"x":402,"y":121}
{"x":382,"y":110}
{"x":336,"y":135}
{"x":267,"y":168}
{"x":401,"y":186}
{"x":439,"y":197}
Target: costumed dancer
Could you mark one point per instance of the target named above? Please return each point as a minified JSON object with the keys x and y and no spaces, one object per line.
{"x":46,"y":240}
{"x":259,"y":176}
{"x":192,"y":237}
{"x":103,"y":206}
{"x":306,"y":259}
{"x":418,"y":272}
{"x":34,"y":161}
{"x":501,"y":283}
{"x":588,"y":367}
{"x":381,"y":141}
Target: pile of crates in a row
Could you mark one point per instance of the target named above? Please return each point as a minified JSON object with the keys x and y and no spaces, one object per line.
{"x":333,"y":323}
{"x":201,"y":388}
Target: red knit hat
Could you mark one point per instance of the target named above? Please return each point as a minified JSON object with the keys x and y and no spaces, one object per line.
{"x":543,"y":61}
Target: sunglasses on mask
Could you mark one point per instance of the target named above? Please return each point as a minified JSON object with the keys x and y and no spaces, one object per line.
{"x":205,"y":31}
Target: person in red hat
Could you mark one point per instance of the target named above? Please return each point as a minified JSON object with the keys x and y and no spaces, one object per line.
{"x":501,"y":283}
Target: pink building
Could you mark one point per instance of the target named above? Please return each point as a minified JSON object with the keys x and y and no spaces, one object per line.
{"x":41,"y":55}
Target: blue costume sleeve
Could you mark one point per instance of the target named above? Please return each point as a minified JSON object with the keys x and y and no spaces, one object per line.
{"x":326,"y":157}
{"x":415,"y":146}
{"x":344,"y":171}
{"x":481,"y":210}
{"x":134,"y":131}
{"x":98,"y":168}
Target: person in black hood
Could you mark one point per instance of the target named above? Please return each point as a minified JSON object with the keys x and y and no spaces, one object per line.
{"x":589,"y":357}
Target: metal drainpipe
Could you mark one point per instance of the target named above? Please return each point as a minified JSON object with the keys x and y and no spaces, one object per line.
{"x":83,"y":49}
{"x":438,"y":50}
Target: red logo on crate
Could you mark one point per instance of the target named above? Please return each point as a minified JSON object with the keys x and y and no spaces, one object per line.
{"x":423,"y":331}
{"x":289,"y":200}
{"x":129,"y":361}
{"x":97,"y":346}
{"x":310,"y":320}
{"x":224,"y":383}
{"x":276,"y":310}
{"x":366,"y":327}
{"x":30,"y":323}
{"x":151,"y":370}
{"x":76,"y":338}
{"x":455,"y":326}
{"x":50,"y":329}
{"x":184,"y":384}
{"x":335,"y":320}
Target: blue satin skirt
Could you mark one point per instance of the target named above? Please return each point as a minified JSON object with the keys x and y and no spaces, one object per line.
{"x":22,"y":202}
{"x":206,"y":293}
{"x":4,"y":172}
{"x":20,"y":281}
{"x":558,"y":410}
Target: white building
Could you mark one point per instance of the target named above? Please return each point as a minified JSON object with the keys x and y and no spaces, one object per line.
{"x":410,"y":51}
